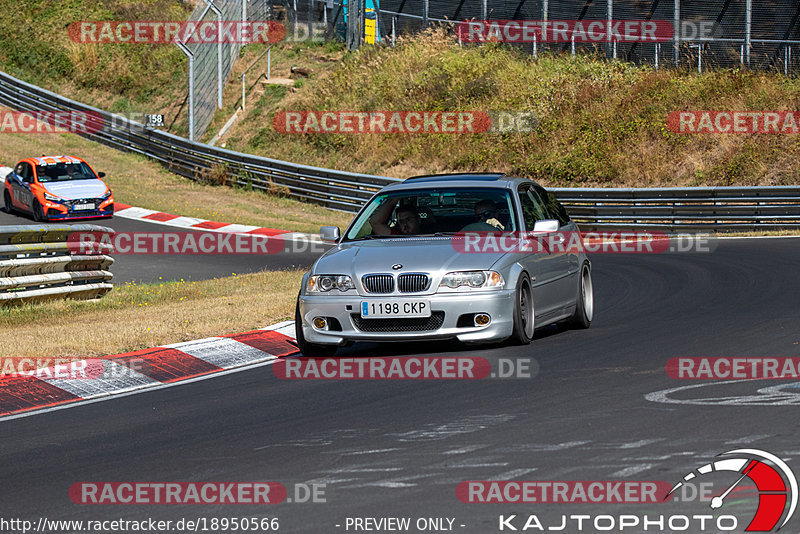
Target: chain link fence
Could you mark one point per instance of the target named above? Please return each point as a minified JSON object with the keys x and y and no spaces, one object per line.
{"x":210,"y":64}
{"x":757,"y":34}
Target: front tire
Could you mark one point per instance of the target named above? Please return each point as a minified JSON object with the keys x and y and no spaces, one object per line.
{"x":309,"y":349}
{"x":584,"y":308}
{"x":524,"y":316}
{"x":38,"y":213}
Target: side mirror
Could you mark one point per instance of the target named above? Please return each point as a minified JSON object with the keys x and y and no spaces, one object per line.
{"x":330,"y":234}
{"x":101,"y":175}
{"x":547,"y":226}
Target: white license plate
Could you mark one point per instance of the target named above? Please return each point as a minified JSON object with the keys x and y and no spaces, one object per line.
{"x":81,"y":207}
{"x":373,"y":309}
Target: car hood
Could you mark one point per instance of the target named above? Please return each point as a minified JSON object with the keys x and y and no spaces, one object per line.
{"x":414,"y":254}
{"x":76,"y":189}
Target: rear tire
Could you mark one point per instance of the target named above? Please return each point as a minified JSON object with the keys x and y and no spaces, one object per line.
{"x":584,"y":309}
{"x":524,"y":316}
{"x":309,"y":349}
{"x":7,"y":201}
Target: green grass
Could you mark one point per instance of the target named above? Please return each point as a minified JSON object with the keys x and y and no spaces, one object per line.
{"x":601,"y":123}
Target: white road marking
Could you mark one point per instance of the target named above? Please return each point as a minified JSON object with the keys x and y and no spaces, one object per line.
{"x":116,"y":379}
{"x":145,"y":389}
{"x":223,"y":352}
{"x":769,"y":396}
{"x":630,"y":471}
{"x":464,"y":450}
{"x":514,"y":474}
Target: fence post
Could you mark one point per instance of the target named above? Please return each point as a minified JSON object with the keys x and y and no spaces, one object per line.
{"x":425,"y":6}
{"x":700,"y":58}
{"x":485,"y":9}
{"x":676,"y":31}
{"x":535,"y":52}
{"x":748,"y":28}
{"x":190,"y":57}
{"x":310,"y":19}
{"x":787,"y":54}
{"x":219,"y":56}
{"x":394,"y":29}
{"x":609,"y":37}
{"x":658,"y":49}
{"x":572,"y":39}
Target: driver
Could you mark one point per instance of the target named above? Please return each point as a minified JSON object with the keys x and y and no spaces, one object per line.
{"x":486,"y":212}
{"x":408,"y":220}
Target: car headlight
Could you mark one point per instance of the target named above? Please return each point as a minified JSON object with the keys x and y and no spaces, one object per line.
{"x":323,"y":283}
{"x":472,"y":279}
{"x":52,"y":198}
{"x":106,"y":195}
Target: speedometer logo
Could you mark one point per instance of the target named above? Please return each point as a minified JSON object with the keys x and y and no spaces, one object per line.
{"x":771,"y":481}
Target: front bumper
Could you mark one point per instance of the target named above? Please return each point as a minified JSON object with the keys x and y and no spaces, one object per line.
{"x":55,"y":211}
{"x":450,"y":307}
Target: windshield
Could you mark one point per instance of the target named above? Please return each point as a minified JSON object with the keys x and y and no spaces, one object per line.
{"x":435,"y":211}
{"x":61,"y":172}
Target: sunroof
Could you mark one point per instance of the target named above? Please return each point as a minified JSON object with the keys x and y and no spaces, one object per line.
{"x":482,"y":177}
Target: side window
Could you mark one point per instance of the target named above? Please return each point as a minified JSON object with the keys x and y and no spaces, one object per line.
{"x":532,"y":208}
{"x":554,"y":207}
{"x":27,"y":173}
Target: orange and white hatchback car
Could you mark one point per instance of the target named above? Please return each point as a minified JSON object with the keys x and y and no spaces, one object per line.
{"x":57,"y":188}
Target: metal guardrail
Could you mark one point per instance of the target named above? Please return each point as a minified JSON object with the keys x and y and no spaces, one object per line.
{"x":36,"y":263}
{"x":668,"y":209}
{"x":334,"y":189}
{"x":685,"y":209}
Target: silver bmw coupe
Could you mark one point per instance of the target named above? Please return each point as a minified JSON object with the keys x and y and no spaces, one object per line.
{"x":474,"y":257}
